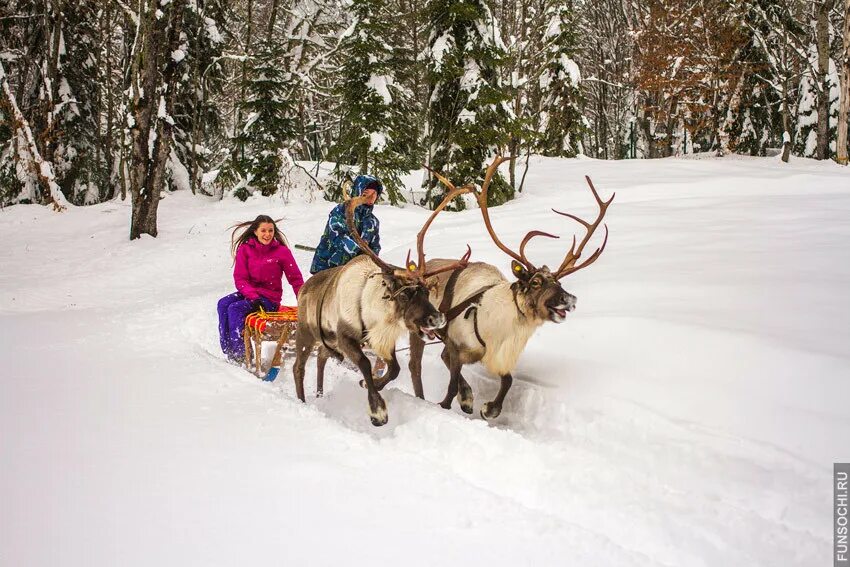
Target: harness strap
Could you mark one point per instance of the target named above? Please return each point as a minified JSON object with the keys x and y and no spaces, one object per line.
{"x":475,"y":326}
{"x":475,"y":298}
{"x":448,"y":295}
{"x":468,"y":305}
{"x":446,"y":303}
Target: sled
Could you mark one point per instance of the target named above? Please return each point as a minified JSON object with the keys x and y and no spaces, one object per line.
{"x":278,"y":327}
{"x":274,"y":326}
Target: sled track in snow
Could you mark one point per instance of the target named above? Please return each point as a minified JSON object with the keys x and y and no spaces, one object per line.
{"x":614,"y":471}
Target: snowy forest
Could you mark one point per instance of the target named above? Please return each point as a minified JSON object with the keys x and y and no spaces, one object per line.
{"x":112,"y":98}
{"x":684,"y":401}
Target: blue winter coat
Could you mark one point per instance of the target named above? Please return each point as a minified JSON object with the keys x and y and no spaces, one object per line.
{"x":336,"y":246}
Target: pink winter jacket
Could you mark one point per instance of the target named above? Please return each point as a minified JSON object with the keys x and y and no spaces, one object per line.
{"x":259,"y":268}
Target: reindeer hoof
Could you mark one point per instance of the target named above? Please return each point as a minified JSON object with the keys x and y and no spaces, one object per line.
{"x":320,"y":394}
{"x":464,"y":398}
{"x":490,"y":411}
{"x":378,"y":412}
{"x":446,"y":404}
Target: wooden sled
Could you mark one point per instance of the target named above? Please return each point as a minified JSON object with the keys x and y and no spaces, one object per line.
{"x":277,"y":326}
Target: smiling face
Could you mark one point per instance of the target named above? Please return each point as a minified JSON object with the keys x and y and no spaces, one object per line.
{"x":265,"y":232}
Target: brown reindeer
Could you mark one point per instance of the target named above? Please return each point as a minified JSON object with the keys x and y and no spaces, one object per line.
{"x":367,"y":301}
{"x":491,"y":319}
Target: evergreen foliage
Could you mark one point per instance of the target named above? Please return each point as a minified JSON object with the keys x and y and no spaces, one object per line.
{"x":560,"y":126}
{"x":268,"y":126}
{"x":378,"y":129}
{"x":468,"y":118}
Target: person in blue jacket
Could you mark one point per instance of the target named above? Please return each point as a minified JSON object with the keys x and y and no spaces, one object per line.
{"x":336,"y":246}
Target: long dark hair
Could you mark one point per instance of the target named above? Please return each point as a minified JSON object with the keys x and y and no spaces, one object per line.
{"x":249,"y":228}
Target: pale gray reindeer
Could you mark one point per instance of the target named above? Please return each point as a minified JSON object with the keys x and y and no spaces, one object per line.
{"x":491,"y":319}
{"x":367,"y":301}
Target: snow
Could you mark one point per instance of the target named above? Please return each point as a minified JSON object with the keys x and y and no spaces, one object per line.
{"x":178,"y":55}
{"x":180,"y":178}
{"x":162,"y":114}
{"x":571,"y":68}
{"x":377,"y":142}
{"x":212,"y":31}
{"x":470,"y":81}
{"x":687,"y":413}
{"x":441,"y":46}
{"x":380,"y":84}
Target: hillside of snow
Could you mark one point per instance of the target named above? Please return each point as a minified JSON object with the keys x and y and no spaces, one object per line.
{"x":687,"y":413}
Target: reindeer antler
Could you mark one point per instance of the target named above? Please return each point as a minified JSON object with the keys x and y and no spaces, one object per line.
{"x":482,"y":204}
{"x":568,"y":266}
{"x":412,"y":269}
{"x":350,"y":205}
{"x":420,"y":237}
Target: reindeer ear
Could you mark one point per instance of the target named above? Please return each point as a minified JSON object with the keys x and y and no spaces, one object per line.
{"x":519,"y":271}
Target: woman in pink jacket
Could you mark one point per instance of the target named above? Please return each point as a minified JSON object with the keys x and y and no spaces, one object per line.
{"x":262,"y":257}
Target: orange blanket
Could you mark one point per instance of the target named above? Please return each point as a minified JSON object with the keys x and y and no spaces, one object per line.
{"x":260,"y":319}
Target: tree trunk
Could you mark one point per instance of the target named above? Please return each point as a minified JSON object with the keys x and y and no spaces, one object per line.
{"x":786,"y":112}
{"x":272,"y":19}
{"x":151,"y":134}
{"x":21,"y":128}
{"x":52,"y":88}
{"x":822,"y":27}
{"x":240,"y":149}
{"x":841,"y":149}
{"x":110,"y":108}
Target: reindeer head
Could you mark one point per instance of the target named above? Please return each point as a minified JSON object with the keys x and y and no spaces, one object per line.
{"x":407,"y":289}
{"x":538,"y":291}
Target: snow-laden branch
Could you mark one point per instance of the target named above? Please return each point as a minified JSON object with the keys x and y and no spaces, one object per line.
{"x":42,"y":167}
{"x":129,"y":11}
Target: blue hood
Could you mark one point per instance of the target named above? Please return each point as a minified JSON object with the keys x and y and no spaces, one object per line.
{"x":361,"y":182}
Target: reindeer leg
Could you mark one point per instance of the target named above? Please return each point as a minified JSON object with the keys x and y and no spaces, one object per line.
{"x":458,"y":386}
{"x":303,"y":347}
{"x":321,"y":361}
{"x":464,"y":391}
{"x":491,"y":410}
{"x":391,"y":374}
{"x":377,"y":406}
{"x":452,"y":391}
{"x":417,"y":347}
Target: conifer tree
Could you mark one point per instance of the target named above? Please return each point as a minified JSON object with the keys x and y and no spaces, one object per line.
{"x":560,"y":125}
{"x":199,"y":120}
{"x":268,"y":125}
{"x":468,"y":118}
{"x":378,"y":130}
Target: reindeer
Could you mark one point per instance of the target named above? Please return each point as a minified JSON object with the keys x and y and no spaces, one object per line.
{"x":367,"y":301}
{"x":498,"y":317}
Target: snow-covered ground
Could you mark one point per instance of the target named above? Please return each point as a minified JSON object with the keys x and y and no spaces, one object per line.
{"x":687,"y":413}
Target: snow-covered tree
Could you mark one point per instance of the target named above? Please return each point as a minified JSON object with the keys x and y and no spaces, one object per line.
{"x":199,"y":129}
{"x":268,"y":126}
{"x":560,"y":127}
{"x":468,"y":117}
{"x":157,"y":59}
{"x":378,"y":126}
